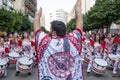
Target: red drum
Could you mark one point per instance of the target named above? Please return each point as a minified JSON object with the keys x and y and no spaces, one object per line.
{"x":99,"y":66}
{"x":25,"y":65}
{"x":13,"y":57}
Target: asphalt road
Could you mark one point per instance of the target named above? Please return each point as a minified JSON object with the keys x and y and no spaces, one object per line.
{"x":93,"y":76}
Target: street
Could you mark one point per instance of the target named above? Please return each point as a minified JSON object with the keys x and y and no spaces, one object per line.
{"x":11,"y":75}
{"x":34,"y":76}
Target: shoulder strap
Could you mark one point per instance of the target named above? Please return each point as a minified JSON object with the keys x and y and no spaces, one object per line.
{"x":66,"y":45}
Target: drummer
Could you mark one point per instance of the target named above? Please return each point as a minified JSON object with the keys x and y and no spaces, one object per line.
{"x":103,"y":46}
{"x":7,"y":45}
{"x":115,"y":43}
{"x":95,"y":52}
{"x":109,"y":45}
{"x":15,"y":45}
{"x":2,"y":50}
{"x":10,"y":37}
{"x":85,"y":44}
{"x":26,"y":46}
{"x":3,"y":55}
{"x":115,"y":67}
{"x":26,"y":50}
{"x":32,"y":39}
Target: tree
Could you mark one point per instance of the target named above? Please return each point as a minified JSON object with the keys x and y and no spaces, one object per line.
{"x":102,"y":14}
{"x":43,"y":29}
{"x":6,"y":20}
{"x":71,"y":25}
{"x":14,"y":21}
{"x":26,"y":24}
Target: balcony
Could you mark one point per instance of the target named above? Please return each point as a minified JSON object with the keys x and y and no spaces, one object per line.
{"x":34,"y":2}
{"x":30,"y":13}
{"x":29,"y":7}
{"x":28,"y":2}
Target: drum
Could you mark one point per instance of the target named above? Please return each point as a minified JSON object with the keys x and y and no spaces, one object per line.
{"x":99,"y":66}
{"x":13,"y":57}
{"x":3,"y":65}
{"x":25,"y":65}
{"x":87,"y":57}
{"x":110,"y":60}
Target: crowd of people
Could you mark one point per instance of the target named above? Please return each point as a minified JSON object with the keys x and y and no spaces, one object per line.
{"x":94,"y":45}
{"x":60,"y":56}
{"x":15,"y":46}
{"x":105,"y":46}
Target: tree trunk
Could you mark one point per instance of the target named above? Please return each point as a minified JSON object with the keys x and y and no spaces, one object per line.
{"x":108,"y":29}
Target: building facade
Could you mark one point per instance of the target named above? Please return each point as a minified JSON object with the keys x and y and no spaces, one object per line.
{"x":27,"y":7}
{"x":85,"y":7}
{"x":53,"y":14}
{"x":7,"y":4}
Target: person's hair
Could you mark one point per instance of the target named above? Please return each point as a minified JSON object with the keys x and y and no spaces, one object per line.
{"x":95,"y":36}
{"x":23,"y":37}
{"x":109,"y":34}
{"x":6,"y":38}
{"x":59,"y":27}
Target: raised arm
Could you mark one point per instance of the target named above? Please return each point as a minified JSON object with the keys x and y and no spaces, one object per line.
{"x":36,"y":24}
{"x":78,"y":14}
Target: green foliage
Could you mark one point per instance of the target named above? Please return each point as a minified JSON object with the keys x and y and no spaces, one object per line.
{"x":71,"y":25}
{"x":43,"y":29}
{"x":14,"y":22}
{"x":102,"y":14}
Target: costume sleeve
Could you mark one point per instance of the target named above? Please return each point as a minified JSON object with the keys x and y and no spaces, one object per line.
{"x":77,"y":33}
{"x":39,"y":36}
{"x":76,"y":38}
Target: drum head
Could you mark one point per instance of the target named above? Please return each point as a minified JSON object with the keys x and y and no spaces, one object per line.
{"x":101,"y":62}
{"x":3,"y":62}
{"x":25,"y":61}
{"x":14,"y":54}
{"x":112,"y":56}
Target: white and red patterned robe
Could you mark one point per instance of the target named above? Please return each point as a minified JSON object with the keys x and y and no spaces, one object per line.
{"x":55,"y":65}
